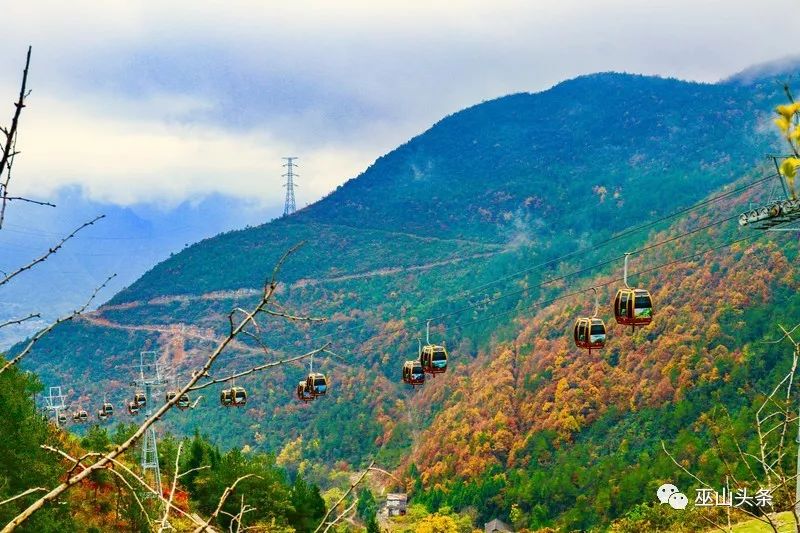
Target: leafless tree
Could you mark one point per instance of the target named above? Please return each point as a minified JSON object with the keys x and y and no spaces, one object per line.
{"x":241,"y":321}
{"x":769,"y":463}
{"x":200,"y":378}
{"x":8,"y":155}
{"x":326,"y":524}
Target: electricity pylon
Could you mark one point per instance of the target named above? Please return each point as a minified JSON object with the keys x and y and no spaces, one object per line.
{"x":151,"y":379}
{"x":289,"y":206}
{"x":55,"y":402}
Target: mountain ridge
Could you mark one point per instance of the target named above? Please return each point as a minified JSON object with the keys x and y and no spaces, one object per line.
{"x":506,"y":177}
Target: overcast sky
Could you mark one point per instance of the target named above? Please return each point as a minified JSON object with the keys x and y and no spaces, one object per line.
{"x":161,"y":102}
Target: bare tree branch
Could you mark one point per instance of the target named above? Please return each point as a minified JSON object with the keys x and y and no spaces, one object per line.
{"x":295,"y":317}
{"x":138,"y":478}
{"x":164,"y":519}
{"x":7,"y":150}
{"x":343,"y":498}
{"x":49,"y":252}
{"x":257,"y":369}
{"x":269,"y":290}
{"x":28,"y":200}
{"x":675,"y":461}
{"x":20,"y":320}
{"x":25,"y":351}
{"x":228,"y":491}
{"x":120,"y":476}
{"x":341,"y":516}
{"x":22,"y":495}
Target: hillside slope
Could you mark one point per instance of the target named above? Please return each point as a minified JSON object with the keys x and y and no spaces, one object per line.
{"x":488,"y":191}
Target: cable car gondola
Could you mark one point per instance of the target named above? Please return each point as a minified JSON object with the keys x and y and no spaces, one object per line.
{"x":239,"y":396}
{"x":107,"y":409}
{"x":140,"y":398}
{"x":183,"y":402}
{"x":101,"y":414}
{"x":590,"y":332}
{"x":413,"y":374}
{"x":433,"y":357}
{"x":303,"y":394}
{"x":62,"y":418}
{"x":317,"y":384}
{"x":133,"y":409}
{"x":80,"y":416}
{"x":233,"y":397}
{"x":226,"y":398}
{"x":632,"y":307}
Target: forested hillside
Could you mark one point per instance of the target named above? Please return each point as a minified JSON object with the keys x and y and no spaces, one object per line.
{"x":463,"y":224}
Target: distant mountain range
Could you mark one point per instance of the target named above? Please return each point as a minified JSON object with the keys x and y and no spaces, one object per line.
{"x":442,"y":226}
{"x":127,"y":242}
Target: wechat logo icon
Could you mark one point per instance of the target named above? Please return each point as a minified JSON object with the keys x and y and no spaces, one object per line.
{"x":669,"y":494}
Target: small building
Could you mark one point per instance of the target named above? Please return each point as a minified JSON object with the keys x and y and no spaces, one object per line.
{"x":396,"y":504}
{"x":497,"y":526}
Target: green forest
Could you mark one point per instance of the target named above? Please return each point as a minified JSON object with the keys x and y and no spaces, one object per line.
{"x":492,"y":226}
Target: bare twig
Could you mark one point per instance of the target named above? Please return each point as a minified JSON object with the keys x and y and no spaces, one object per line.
{"x":190,"y":516}
{"x":340,"y":517}
{"x":20,"y":320}
{"x":25,"y":351}
{"x":7,"y":150}
{"x":22,"y":495}
{"x":269,"y":290}
{"x":28,"y":200}
{"x":289,"y":316}
{"x":49,"y":252}
{"x":664,"y":447}
{"x":228,"y":491}
{"x":120,"y":476}
{"x":164,"y":519}
{"x":385,"y":473}
{"x":343,"y":498}
{"x":257,"y":369}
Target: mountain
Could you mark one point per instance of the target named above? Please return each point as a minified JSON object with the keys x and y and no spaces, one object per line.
{"x":128,"y":241}
{"x":436,"y":228}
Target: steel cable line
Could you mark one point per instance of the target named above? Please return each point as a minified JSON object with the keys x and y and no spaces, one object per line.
{"x":604,"y":284}
{"x":625,"y":233}
{"x":586,"y":269}
{"x":613,"y":281}
{"x":630,"y":231}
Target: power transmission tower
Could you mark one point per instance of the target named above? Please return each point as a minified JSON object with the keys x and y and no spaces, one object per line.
{"x":55,"y":402}
{"x":290,"y":165}
{"x":151,"y":379}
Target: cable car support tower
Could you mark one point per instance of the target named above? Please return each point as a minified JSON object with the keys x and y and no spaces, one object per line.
{"x":151,"y":379}
{"x":777,"y":211}
{"x":55,"y":402}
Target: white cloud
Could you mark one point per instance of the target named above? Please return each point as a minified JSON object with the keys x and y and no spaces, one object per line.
{"x":156,"y":101}
{"x":121,"y":158}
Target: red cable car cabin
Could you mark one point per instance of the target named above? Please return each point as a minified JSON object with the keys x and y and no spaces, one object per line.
{"x":317,"y":384}
{"x":633,"y":307}
{"x":413,"y":373}
{"x":590,"y":333}
{"x":303,"y":394}
{"x":434,"y":359}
